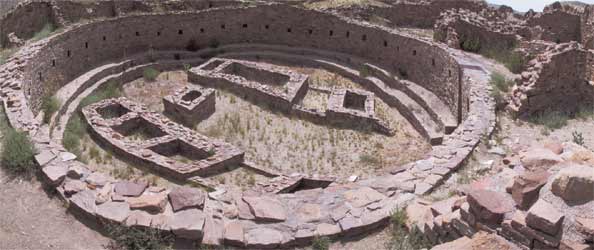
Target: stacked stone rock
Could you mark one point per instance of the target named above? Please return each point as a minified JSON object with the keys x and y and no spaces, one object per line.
{"x":252,"y":220}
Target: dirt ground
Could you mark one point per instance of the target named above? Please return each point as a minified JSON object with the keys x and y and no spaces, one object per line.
{"x":30,"y":219}
{"x":290,"y":145}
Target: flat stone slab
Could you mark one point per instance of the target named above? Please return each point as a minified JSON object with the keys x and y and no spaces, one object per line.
{"x":151,"y":203}
{"x":185,"y":198}
{"x":266,"y":208}
{"x":187,"y":224}
{"x":363,"y":196}
{"x":234,"y":234}
{"x":127,"y":188}
{"x":55,"y":173}
{"x":84,"y":201}
{"x":114,"y":211}
{"x":261,"y":237}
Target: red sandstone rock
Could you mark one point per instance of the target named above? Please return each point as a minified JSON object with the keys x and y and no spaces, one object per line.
{"x":127,"y":188}
{"x":526,"y":187}
{"x":489,"y":206}
{"x":234,"y":234}
{"x":266,"y":208}
{"x":575,"y":184}
{"x":543,"y":216}
{"x":185,"y":198}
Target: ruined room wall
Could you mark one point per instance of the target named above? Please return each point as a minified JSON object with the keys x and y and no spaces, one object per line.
{"x":558,"y":26}
{"x":94,"y":44}
{"x":587,"y":27}
{"x":561,"y":85}
{"x":25,"y":20}
{"x":422,"y":15}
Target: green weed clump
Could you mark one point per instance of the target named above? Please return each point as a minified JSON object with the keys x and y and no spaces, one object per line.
{"x":18,"y":152}
{"x":150,"y":74}
{"x":49,"y":105}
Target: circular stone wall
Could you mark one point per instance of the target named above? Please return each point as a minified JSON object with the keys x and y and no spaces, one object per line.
{"x":247,"y":219}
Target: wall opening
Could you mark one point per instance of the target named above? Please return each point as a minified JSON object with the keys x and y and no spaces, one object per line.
{"x":245,"y":25}
{"x":104,"y":38}
{"x":53,"y":62}
{"x":191,"y":96}
{"x":180,"y":150}
{"x":40,"y":77}
{"x":86,"y":45}
{"x":414,"y":52}
{"x":310,"y":31}
{"x":433,"y":62}
{"x":158,"y":33}
{"x":364,"y":37}
{"x":331,"y":33}
{"x":223,"y":26}
{"x":177,"y":56}
{"x":348,"y":34}
{"x":68,"y":53}
{"x":385,"y":43}
{"x":112,"y":111}
{"x":354,"y":101}
{"x":180,"y":32}
{"x":137,"y":33}
{"x":201,"y":30}
{"x":139,"y":128}
{"x":289,"y":30}
{"x":266,"y":26}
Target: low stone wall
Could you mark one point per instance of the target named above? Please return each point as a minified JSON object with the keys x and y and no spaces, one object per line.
{"x":113,"y":122}
{"x":558,"y":26}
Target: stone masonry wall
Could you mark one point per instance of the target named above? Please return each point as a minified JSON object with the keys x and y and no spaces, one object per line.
{"x":30,"y":17}
{"x":555,"y":80}
{"x":424,"y":14}
{"x":87,"y":46}
{"x":587,"y":27}
{"x":558,"y":26}
{"x":25,"y":20}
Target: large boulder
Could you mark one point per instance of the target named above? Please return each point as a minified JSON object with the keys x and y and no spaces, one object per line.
{"x":539,"y":159}
{"x":489,"y":206}
{"x":527,"y":186}
{"x":574,"y":184}
{"x":544,"y":217}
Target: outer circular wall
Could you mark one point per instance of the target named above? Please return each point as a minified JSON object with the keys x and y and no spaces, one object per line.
{"x":86,"y":46}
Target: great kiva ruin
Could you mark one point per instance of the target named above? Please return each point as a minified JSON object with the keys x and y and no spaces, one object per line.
{"x":437,"y":124}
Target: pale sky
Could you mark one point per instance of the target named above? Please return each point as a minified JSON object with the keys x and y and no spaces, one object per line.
{"x":525,"y":5}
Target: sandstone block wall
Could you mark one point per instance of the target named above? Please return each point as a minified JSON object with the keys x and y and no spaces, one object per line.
{"x":88,"y":46}
{"x":555,"y":81}
{"x":422,"y":14}
{"x":30,"y":17}
{"x":25,"y":20}
{"x":558,"y":26}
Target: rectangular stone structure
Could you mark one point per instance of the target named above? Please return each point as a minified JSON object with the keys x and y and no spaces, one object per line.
{"x":190,"y":105}
{"x":150,"y":139}
{"x":276,"y":86}
{"x":354,"y":107}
